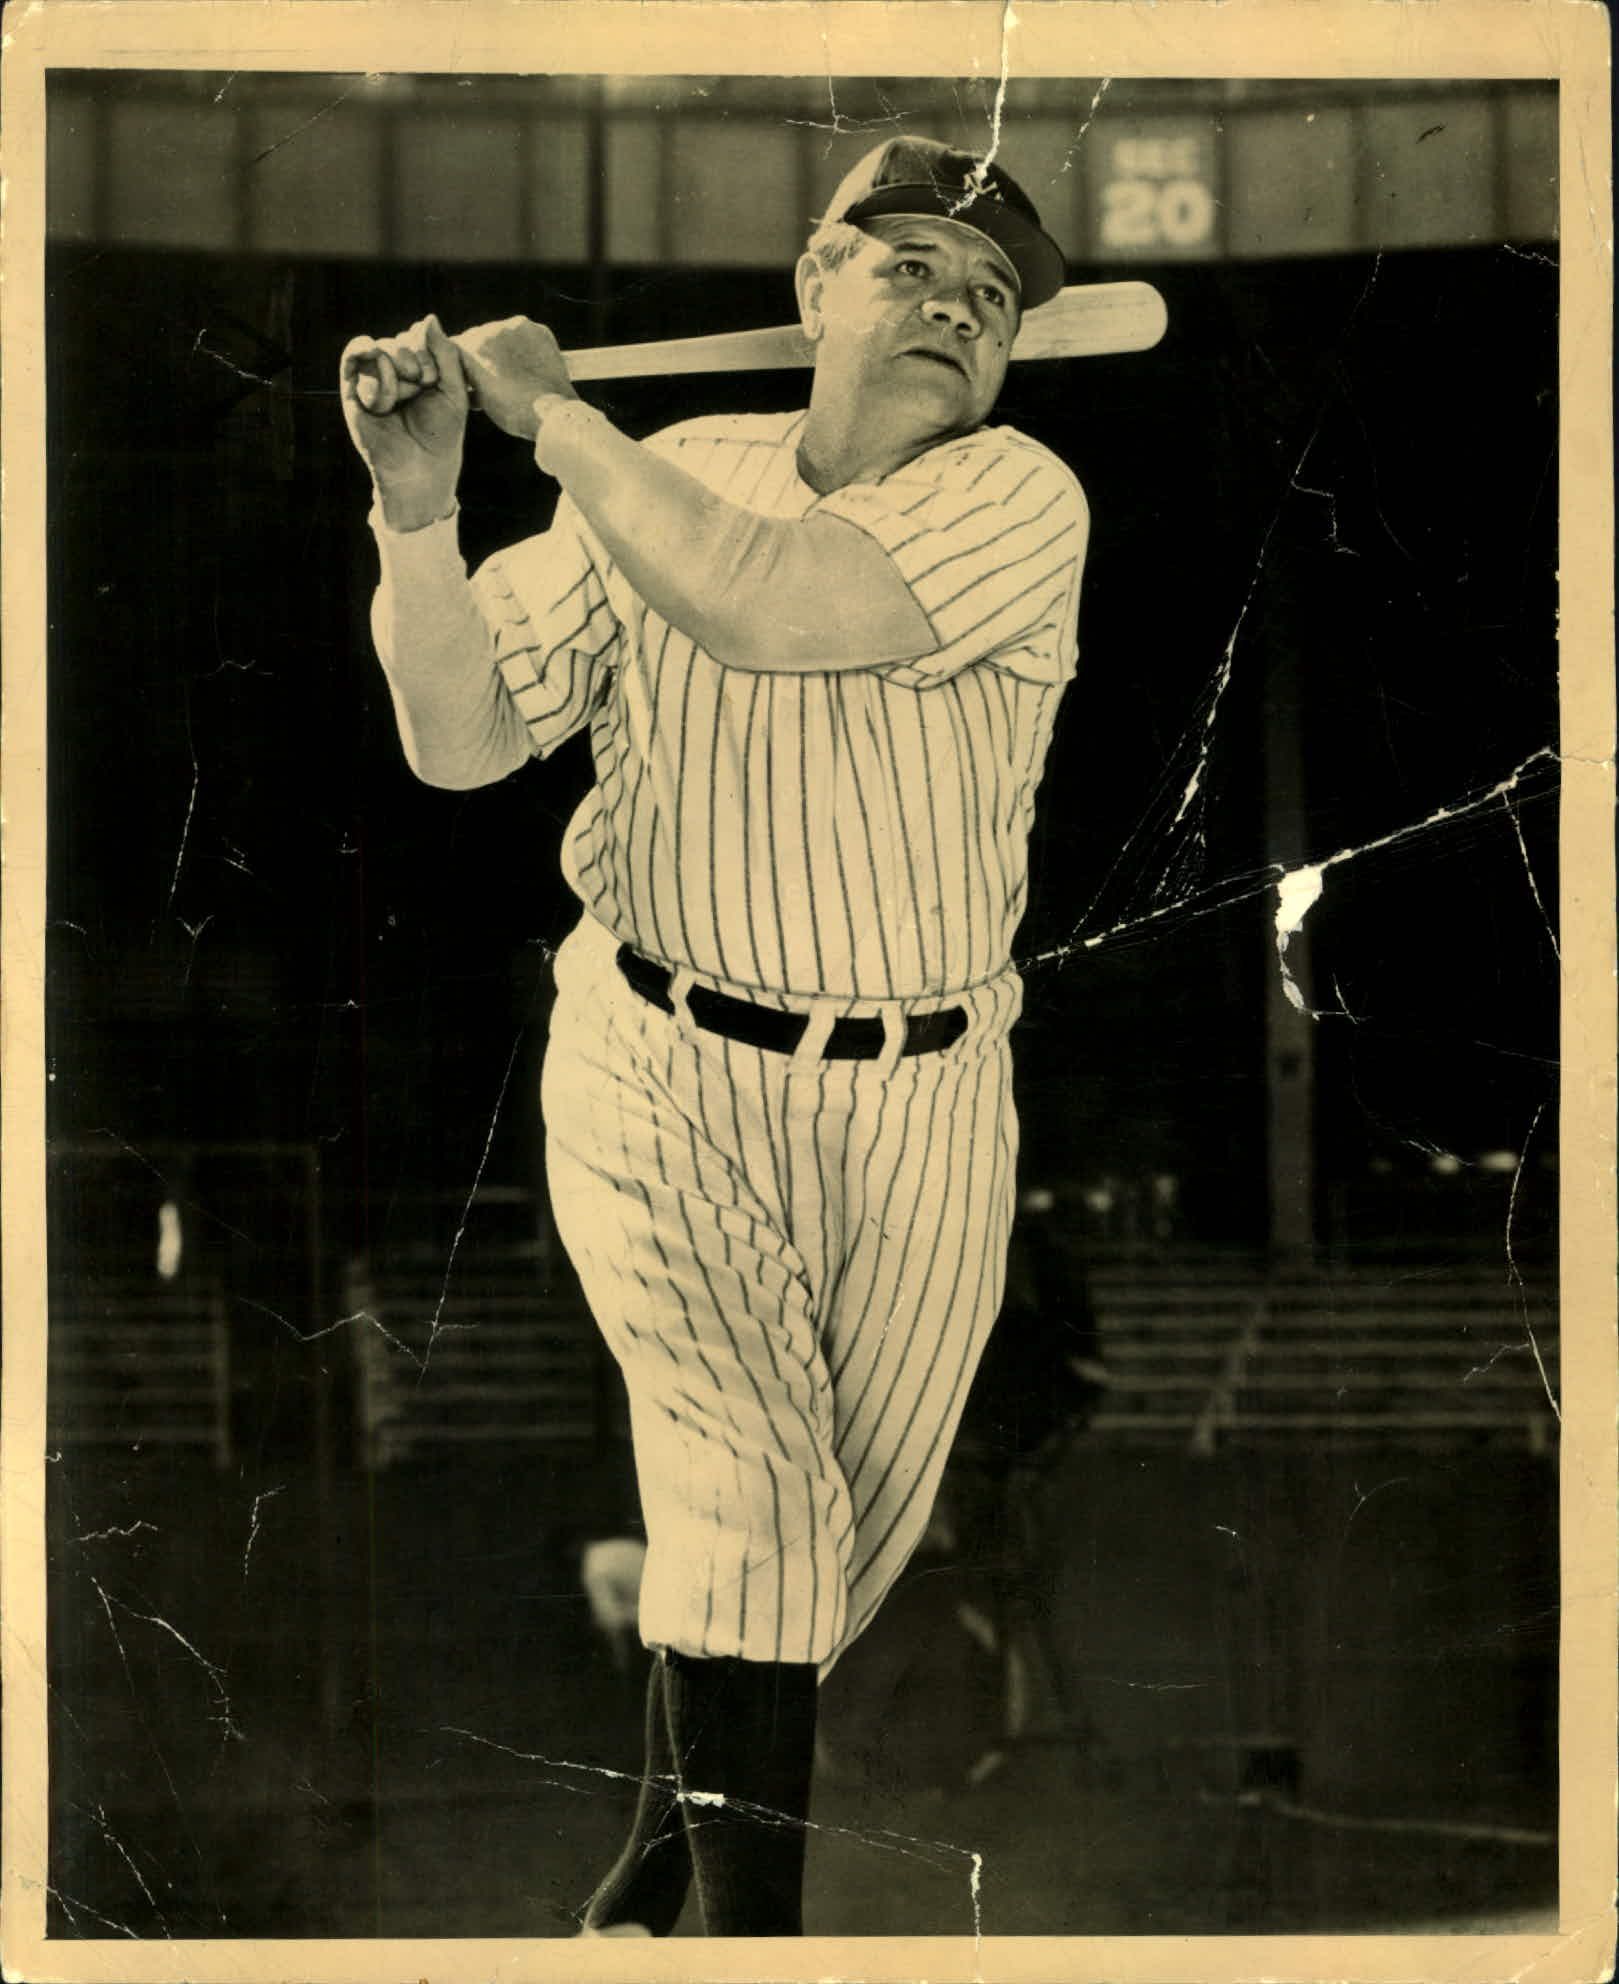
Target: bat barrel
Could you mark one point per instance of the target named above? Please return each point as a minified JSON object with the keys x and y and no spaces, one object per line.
{"x":1090,"y":319}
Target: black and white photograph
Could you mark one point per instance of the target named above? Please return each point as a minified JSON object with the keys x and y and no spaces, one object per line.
{"x":800,"y":1139}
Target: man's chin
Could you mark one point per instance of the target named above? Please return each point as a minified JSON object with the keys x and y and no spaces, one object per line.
{"x":936,"y":396}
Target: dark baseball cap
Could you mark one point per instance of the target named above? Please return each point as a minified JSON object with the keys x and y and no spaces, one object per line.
{"x":922,"y":176}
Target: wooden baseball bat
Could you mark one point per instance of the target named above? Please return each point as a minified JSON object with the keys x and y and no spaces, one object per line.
{"x":1083,"y":321}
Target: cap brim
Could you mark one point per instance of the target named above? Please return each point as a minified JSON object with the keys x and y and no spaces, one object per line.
{"x":1036,"y":258}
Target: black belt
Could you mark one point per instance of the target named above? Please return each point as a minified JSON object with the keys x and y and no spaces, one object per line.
{"x":762,"y":1026}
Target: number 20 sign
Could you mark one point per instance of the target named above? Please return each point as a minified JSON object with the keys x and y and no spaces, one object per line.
{"x":1156,"y":191}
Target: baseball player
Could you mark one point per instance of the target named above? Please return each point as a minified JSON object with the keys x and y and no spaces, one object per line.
{"x":818,"y":655}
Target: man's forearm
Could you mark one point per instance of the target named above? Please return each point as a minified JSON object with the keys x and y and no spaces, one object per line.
{"x":753,"y":591}
{"x":456,"y":722}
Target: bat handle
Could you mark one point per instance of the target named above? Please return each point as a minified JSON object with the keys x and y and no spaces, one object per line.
{"x":377,"y":386}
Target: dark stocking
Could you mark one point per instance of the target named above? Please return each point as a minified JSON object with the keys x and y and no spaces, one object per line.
{"x":744,"y":1736}
{"x":649,"y":1881}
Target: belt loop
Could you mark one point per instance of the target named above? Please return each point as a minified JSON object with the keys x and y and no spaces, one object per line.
{"x":818,"y":1027}
{"x":681,"y":980}
{"x":894,"y":1016}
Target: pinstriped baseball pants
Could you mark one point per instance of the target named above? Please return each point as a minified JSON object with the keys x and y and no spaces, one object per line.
{"x":795,"y":1263}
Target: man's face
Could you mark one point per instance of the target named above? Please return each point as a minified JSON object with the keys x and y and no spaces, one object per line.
{"x":920,"y":321}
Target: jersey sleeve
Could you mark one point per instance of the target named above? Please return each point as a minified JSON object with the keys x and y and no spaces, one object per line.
{"x":556,"y":635}
{"x":991,"y":541}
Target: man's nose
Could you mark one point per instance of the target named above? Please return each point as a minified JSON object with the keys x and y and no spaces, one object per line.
{"x":953,"y":307}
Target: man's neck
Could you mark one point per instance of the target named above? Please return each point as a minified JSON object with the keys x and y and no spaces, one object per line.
{"x":838,"y":447}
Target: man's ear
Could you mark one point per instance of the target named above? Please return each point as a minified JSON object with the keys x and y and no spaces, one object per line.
{"x":809,"y":279}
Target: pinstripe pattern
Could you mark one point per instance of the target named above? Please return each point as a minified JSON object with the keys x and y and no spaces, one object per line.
{"x":796,"y":1266}
{"x":860,"y":833}
{"x":795,"y":1261}
{"x":555,"y":656}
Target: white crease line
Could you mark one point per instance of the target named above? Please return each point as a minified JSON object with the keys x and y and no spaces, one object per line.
{"x":1363,"y":1496}
{"x":230,"y":365}
{"x":978,"y":186}
{"x":215,"y":1674}
{"x":117,"y":1637}
{"x":1009,"y":20}
{"x":1331,"y":501}
{"x":1158,"y":1687}
{"x":1102,"y":89}
{"x":129,"y":1676}
{"x":1299,"y":889}
{"x":193,"y":1205}
{"x":74,"y":1906}
{"x":1534,"y":888}
{"x":832,"y":99}
{"x":879,"y":1837}
{"x":123,"y":1853}
{"x":1512,"y":1265}
{"x":466,"y":1210}
{"x":1479,"y":1370}
{"x":1205,"y":902}
{"x":1223,"y":677}
{"x":194,"y":932}
{"x":841,"y":125}
{"x":297,"y":132}
{"x":1222,"y":680}
{"x":191,"y":807}
{"x":313,"y":1336}
{"x":1351,"y":1822}
{"x":1354,"y":1019}
{"x":269,"y":1494}
{"x":1223,"y":674}
{"x":1530,"y":255}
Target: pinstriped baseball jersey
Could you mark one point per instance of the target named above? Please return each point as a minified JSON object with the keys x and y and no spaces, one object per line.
{"x":859,"y":833}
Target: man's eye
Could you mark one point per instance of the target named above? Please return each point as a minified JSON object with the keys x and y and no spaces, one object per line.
{"x":991,"y":294}
{"x":912,"y":267}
